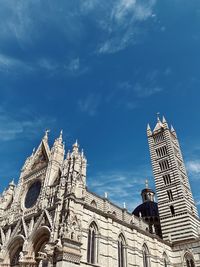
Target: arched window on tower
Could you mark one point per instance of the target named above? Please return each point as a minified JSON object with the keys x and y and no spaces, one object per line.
{"x":145,"y":254}
{"x":92,"y":256}
{"x":121,"y":251}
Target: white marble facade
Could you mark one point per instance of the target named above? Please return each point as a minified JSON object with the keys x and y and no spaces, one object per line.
{"x":51,"y":219}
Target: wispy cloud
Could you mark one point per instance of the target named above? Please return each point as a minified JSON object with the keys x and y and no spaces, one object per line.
{"x":118,"y":24}
{"x":130,"y":93}
{"x":8,"y":64}
{"x":121,"y":186}
{"x":143,"y":92}
{"x":21,"y":126}
{"x":124,"y":25}
{"x":193,"y":167}
{"x":74,"y":65}
{"x":90,"y":104}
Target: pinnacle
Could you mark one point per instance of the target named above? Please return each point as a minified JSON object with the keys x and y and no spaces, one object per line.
{"x":148,"y":127}
{"x":60,"y":138}
{"x":164,"y":120}
{"x":46,"y":134}
{"x":75,"y":147}
{"x":82,"y":152}
{"x":172,"y":128}
{"x":12,"y":183}
{"x":61,"y":134}
{"x":76,"y":144}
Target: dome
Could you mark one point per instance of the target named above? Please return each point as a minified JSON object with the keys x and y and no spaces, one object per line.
{"x":147,"y":209}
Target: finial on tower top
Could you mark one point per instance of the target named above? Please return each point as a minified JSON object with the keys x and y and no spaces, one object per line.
{"x":76,"y":143}
{"x":146,"y":183}
{"x":61,"y":135}
{"x":75,"y":147}
{"x":46,"y":134}
{"x":158,"y":118}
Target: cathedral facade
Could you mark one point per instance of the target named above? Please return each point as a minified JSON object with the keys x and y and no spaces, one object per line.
{"x":50,"y":218}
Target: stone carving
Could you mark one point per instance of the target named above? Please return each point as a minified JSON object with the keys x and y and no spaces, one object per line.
{"x":62,"y":216}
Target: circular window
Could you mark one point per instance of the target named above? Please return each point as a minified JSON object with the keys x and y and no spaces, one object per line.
{"x":32,"y":194}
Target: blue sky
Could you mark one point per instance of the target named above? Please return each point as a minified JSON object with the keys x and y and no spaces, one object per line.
{"x":100,"y":70}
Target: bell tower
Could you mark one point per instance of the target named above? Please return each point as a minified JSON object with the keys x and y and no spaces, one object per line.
{"x":177,"y":210}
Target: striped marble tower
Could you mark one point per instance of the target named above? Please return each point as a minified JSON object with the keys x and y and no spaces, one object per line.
{"x":177,"y":210}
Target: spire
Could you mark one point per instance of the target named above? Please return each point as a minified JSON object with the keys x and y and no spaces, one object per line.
{"x":12,"y":184}
{"x":59,"y":140}
{"x":172,"y":128}
{"x":45,"y":138}
{"x":173,"y":131}
{"x":159,"y":124}
{"x":61,"y":136}
{"x":165,"y":123}
{"x":33,"y":152}
{"x":149,"y":132}
{"x":148,"y":127}
{"x":75,"y":147}
{"x":164,"y":120}
{"x":76,"y":144}
{"x":68,"y":155}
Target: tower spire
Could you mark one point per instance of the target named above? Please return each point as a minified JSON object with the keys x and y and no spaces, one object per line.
{"x":159,"y":124}
{"x":164,"y":120}
{"x":149,"y":132}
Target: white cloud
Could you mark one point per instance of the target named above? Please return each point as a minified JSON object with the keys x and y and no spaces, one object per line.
{"x":8,"y":63}
{"x":121,"y":186}
{"x":193,"y":166}
{"x":74,"y":65}
{"x":198,"y":203}
{"x":21,"y":126}
{"x":117,"y":21}
{"x":47,"y":64}
{"x":89,"y":104}
{"x":143,"y":91}
{"x":123,"y":25}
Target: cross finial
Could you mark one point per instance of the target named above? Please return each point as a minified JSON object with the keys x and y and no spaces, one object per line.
{"x":46,"y":134}
{"x":146,"y":183}
{"x":61,"y":134}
